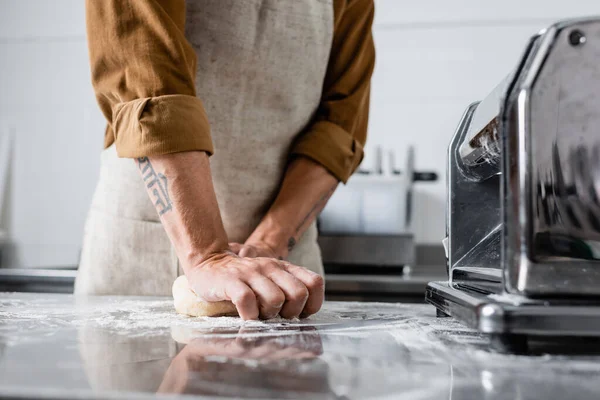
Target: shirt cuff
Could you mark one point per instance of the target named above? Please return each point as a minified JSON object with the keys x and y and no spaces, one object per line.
{"x":161,"y":125}
{"x":332,"y":147}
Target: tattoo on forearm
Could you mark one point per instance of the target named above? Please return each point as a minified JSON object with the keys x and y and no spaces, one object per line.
{"x":291,"y":243}
{"x":316,"y":209}
{"x":157,"y":184}
{"x":319,"y":205}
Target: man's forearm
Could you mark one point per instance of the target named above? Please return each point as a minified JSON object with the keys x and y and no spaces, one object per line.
{"x":180,"y":186}
{"x":306,"y":188}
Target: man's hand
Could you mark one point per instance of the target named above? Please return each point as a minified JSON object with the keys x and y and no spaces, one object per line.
{"x":254,"y":249}
{"x":259,"y":287}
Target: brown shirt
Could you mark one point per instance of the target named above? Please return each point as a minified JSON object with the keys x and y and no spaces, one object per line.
{"x":143,"y":72}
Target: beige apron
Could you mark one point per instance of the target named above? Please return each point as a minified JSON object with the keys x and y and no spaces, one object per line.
{"x":261,"y":66}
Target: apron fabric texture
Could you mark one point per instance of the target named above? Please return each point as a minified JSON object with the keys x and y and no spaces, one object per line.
{"x":261,"y":67}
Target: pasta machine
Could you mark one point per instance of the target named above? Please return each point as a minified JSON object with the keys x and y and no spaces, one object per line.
{"x":523,"y":207}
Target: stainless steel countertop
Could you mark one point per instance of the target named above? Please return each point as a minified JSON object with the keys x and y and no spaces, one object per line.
{"x":60,"y":346}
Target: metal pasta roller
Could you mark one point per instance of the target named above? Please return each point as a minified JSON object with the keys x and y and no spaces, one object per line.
{"x":523,"y":209}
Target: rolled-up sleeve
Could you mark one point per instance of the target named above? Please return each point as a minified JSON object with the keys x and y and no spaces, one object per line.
{"x":143,"y":72}
{"x":337,"y":134}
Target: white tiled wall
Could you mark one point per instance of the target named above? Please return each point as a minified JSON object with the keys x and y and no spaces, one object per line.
{"x":434,"y":57}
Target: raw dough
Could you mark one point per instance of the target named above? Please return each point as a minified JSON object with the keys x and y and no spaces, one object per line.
{"x":188,"y":303}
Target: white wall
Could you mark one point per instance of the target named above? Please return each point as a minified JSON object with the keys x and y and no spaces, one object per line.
{"x":434,"y":57}
{"x":47,"y":101}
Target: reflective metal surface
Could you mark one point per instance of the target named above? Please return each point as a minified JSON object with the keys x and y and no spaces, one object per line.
{"x":515,"y":314}
{"x":565,"y":175}
{"x":479,"y":149}
{"x":550,"y":129}
{"x":473,"y":221}
{"x":537,"y":217}
{"x":530,"y":228}
{"x":114,"y":347}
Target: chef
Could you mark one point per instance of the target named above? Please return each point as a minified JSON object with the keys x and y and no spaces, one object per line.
{"x":230,"y":125}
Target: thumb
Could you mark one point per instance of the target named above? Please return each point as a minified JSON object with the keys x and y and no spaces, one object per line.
{"x":248,"y":251}
{"x":235,"y":247}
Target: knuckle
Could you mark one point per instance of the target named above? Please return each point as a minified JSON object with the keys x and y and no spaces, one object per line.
{"x":316,"y":281}
{"x":247,"y":271}
{"x":236,"y":274}
{"x":299,"y":294}
{"x":277,"y":299}
{"x":256,"y":264}
{"x":244,"y":296}
{"x":267,"y":267}
{"x":271,"y":297}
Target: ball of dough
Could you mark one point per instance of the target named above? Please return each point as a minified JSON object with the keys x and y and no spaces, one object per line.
{"x":188,"y":303}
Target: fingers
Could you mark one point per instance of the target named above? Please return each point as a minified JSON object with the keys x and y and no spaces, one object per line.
{"x":259,"y":287}
{"x":270,"y":297}
{"x":313,"y":282}
{"x":244,"y":299}
{"x":296,"y":293}
{"x":235,"y":247}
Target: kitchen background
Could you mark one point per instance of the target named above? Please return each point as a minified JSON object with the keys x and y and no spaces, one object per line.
{"x":434,"y":57}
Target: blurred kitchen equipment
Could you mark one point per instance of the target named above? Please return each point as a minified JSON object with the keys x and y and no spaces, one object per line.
{"x":368,"y":221}
{"x":5,"y":150}
{"x":375,"y":202}
{"x":523,"y":216}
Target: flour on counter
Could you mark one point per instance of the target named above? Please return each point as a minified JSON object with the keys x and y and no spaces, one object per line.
{"x":144,"y":317}
{"x":356,"y":350}
{"x":135,"y":317}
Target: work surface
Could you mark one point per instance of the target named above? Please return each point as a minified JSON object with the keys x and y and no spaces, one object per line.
{"x":117,"y":347}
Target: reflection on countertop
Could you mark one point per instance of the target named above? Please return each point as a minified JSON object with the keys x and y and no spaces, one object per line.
{"x":123,"y":347}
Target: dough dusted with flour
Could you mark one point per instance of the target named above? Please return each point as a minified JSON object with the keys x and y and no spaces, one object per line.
{"x":187,"y":303}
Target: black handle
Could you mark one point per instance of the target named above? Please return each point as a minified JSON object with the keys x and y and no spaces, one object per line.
{"x":425,"y":176}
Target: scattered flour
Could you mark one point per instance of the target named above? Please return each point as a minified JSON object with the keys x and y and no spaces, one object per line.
{"x":369,"y":350}
{"x":135,"y":317}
